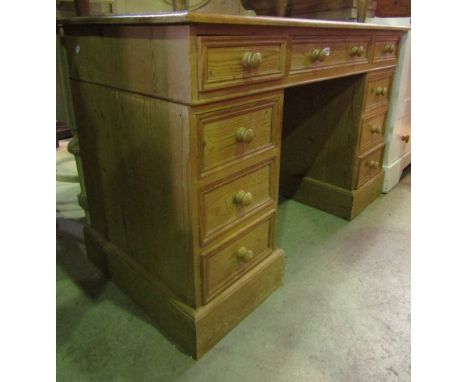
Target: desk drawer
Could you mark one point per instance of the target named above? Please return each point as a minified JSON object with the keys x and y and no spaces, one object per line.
{"x":386,"y":48}
{"x":372,"y":131}
{"x":228,"y":262}
{"x":369,"y":165}
{"x":231,"y":134}
{"x":227,"y":203}
{"x":228,"y":61}
{"x":318,"y":53}
{"x":377,"y":91}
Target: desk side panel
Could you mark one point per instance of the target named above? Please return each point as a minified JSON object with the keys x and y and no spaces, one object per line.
{"x":135,"y":152}
{"x":152,"y":60}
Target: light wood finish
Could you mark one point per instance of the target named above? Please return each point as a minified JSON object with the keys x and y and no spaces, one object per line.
{"x":372,"y":130}
{"x":386,"y":49}
{"x":235,"y":199}
{"x":194,"y":331}
{"x":229,"y":135}
{"x":341,"y":202}
{"x":160,"y":303}
{"x":227,"y":61}
{"x":366,"y":194}
{"x":320,"y":132}
{"x":324,"y":196}
{"x":333,"y":143}
{"x":128,"y":58}
{"x":228,"y":261}
{"x":124,"y":158}
{"x":181,"y":121}
{"x":370,"y":165}
{"x":316,"y":53}
{"x":220,"y":315}
{"x":378,"y":90}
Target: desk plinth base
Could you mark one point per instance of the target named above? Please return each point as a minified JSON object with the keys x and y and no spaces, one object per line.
{"x":338,"y":201}
{"x":194,"y":330}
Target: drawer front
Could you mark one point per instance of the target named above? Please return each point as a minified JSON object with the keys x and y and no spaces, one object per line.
{"x":231,"y":134}
{"x":235,"y":199}
{"x":372,"y":131}
{"x":228,"y":262}
{"x":311,"y":54}
{"x":225,"y":61}
{"x":401,"y":140}
{"x":369,"y":166}
{"x":377,"y":92}
{"x":386,"y":48}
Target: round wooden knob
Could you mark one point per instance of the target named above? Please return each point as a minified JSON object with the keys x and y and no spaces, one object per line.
{"x":324,"y":53}
{"x":245,"y":254}
{"x":357,"y":51}
{"x":244,"y":135}
{"x":373,"y":164}
{"x":314,"y":55}
{"x":381,"y":91}
{"x":389,"y":48}
{"x":243,"y":198}
{"x":405,"y":138}
{"x":252,"y":60}
{"x":374,"y":129}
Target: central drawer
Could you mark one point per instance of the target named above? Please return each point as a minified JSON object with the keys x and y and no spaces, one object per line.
{"x":225,"y":61}
{"x":320,"y":53}
{"x":233,"y":200}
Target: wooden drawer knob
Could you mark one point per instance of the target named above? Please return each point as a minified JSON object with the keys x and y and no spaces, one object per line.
{"x":245,"y":254}
{"x":375,"y":129}
{"x":381,"y":91}
{"x":252,"y":60}
{"x":357,"y":51}
{"x":389,"y":48}
{"x":324,"y":53}
{"x":405,"y":138}
{"x":373,"y":164}
{"x":314,"y":55}
{"x":243,"y":198}
{"x":244,"y":135}
{"x":319,"y":54}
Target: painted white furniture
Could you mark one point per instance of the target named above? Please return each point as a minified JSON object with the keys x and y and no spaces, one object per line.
{"x":397,"y":154}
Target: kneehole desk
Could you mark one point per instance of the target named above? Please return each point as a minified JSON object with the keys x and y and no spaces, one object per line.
{"x":182,"y":118}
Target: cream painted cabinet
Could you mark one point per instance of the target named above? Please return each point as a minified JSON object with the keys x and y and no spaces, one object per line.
{"x":397,"y":154}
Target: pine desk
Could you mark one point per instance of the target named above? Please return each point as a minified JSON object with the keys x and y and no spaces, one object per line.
{"x":181,"y":120}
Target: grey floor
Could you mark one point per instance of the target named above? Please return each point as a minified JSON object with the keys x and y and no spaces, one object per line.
{"x":343,"y":313}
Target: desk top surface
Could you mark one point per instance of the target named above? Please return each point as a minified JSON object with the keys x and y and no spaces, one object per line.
{"x":185,"y":17}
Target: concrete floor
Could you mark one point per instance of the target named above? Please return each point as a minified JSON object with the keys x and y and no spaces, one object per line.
{"x":343,"y":313}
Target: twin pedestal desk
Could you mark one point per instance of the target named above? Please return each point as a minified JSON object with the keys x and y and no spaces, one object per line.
{"x":181,"y":120}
